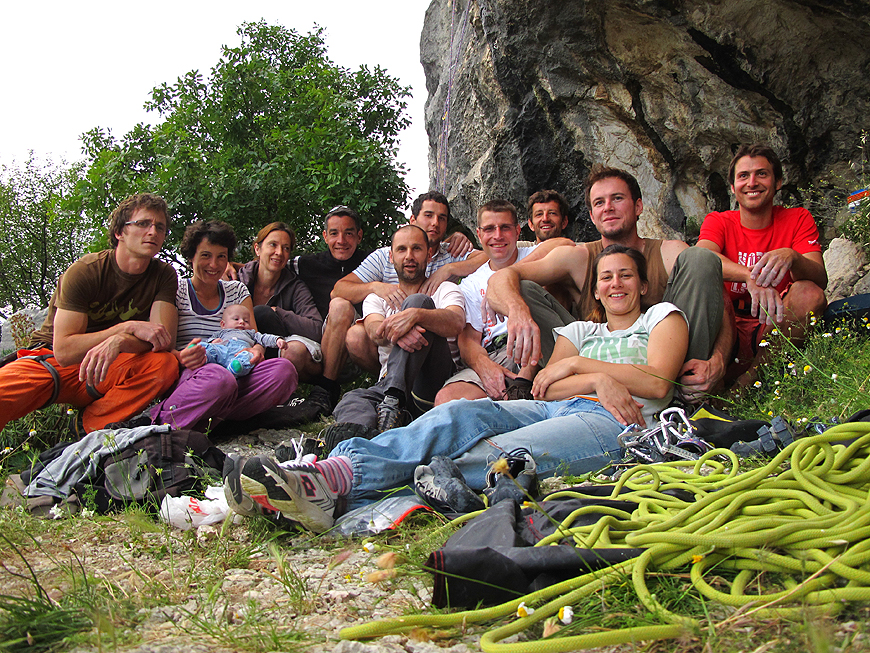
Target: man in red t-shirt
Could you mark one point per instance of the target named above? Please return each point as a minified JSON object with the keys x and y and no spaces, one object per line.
{"x":771,"y":257}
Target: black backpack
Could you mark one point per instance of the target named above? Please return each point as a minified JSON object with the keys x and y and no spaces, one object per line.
{"x":159,"y":464}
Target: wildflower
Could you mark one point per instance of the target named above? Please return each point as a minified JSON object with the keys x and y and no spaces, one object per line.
{"x":566,"y":614}
{"x":381,"y":575}
{"x":551,"y":627}
{"x":838,"y":329}
{"x":791,"y":366}
{"x":757,"y":384}
{"x":827,"y":335}
{"x":369,"y":547}
{"x":70,"y":411}
{"x":776,"y":392}
{"x":833,"y":377}
{"x":775,"y":332}
{"x":776,"y":383}
{"x":501,"y":466}
{"x":770,"y":413}
{"x":386,"y":560}
{"x":696,"y":559}
{"x":807,"y":369}
{"x":7,"y":449}
{"x":32,"y":433}
{"x":87,"y":513}
{"x":56,"y":511}
{"x":524,"y":611}
{"x":763,"y":343}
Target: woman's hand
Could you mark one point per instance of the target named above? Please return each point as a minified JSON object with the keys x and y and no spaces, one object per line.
{"x":193,"y":356}
{"x":618,"y":401}
{"x":257,"y":354}
{"x":553,"y":372}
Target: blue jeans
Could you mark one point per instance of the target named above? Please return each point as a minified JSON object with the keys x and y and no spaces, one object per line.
{"x":574,"y":436}
{"x":227,"y":353}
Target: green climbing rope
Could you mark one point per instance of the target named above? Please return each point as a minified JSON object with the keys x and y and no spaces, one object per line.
{"x":805,"y":514}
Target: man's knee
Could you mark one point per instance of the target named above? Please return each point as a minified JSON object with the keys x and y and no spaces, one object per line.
{"x":701,"y":261}
{"x":298,"y":354}
{"x":341,"y":314}
{"x":804,"y":297}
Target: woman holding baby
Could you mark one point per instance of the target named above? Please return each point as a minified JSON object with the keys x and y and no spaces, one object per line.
{"x":208,"y":393}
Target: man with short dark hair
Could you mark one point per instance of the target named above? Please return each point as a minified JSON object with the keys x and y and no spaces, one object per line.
{"x":548,"y":215}
{"x":105,"y":344}
{"x":685,"y":276}
{"x":342,"y":337}
{"x":489,"y":370}
{"x":771,"y":257}
{"x":413,"y":343}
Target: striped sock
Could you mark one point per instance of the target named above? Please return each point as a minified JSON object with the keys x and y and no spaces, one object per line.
{"x":338,"y":473}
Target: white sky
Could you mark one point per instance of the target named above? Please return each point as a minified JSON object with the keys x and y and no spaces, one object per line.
{"x":72,"y":66}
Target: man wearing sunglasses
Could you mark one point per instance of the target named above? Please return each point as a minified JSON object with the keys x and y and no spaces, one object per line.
{"x":105,"y":344}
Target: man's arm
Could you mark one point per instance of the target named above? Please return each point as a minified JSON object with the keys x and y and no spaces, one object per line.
{"x":354,"y":289}
{"x":766,"y":302}
{"x":453,"y":271}
{"x":447,"y":322}
{"x":772,"y":267}
{"x":94,"y":352}
{"x":548,"y":246}
{"x":562,"y":265}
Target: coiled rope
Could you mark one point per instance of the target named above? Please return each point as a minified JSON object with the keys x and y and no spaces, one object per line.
{"x":809,"y":521}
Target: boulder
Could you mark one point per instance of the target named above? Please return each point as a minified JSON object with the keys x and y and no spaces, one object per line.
{"x":528,"y":94}
{"x":844,"y":263}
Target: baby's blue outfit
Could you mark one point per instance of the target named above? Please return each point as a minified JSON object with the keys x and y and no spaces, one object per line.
{"x":229,"y":354}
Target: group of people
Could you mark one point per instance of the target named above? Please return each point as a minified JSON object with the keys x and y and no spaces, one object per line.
{"x":556,"y":345}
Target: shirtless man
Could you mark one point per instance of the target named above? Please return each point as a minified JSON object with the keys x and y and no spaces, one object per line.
{"x":686,"y":276}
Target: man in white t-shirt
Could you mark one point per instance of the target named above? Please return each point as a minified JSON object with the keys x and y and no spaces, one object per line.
{"x":489,"y":371}
{"x":416,"y":343}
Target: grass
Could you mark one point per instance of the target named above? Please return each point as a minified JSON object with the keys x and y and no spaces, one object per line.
{"x":105,"y":582}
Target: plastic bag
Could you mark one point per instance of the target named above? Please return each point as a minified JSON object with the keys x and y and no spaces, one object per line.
{"x":187,"y":512}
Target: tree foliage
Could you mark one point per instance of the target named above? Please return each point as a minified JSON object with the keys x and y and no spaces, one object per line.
{"x":277,"y":132}
{"x":43,"y":231}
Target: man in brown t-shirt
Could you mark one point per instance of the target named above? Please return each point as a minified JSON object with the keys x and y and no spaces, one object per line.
{"x":683,"y":275}
{"x":105,"y":345}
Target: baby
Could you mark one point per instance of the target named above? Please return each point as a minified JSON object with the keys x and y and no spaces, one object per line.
{"x":226,"y":347}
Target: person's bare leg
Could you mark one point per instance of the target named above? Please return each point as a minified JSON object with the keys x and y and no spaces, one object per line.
{"x":298,"y":354}
{"x":362,"y":350}
{"x":340,"y":319}
{"x":459,"y":390}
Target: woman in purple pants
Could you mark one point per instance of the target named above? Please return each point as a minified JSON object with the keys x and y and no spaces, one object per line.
{"x":207,"y":393}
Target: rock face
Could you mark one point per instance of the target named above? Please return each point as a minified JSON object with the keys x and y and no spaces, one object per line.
{"x":529,"y":94}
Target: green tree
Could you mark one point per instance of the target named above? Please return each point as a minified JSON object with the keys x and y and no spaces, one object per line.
{"x":42,"y":231}
{"x":278,"y":132}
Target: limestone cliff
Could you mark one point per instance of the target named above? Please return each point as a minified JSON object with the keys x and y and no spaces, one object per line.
{"x":528,"y":94}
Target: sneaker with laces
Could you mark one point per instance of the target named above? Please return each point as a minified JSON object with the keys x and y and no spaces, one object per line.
{"x":442,"y":486}
{"x":517,"y":482}
{"x":390,"y":414}
{"x":517,"y":389}
{"x":237,"y":499}
{"x":296,"y":489}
